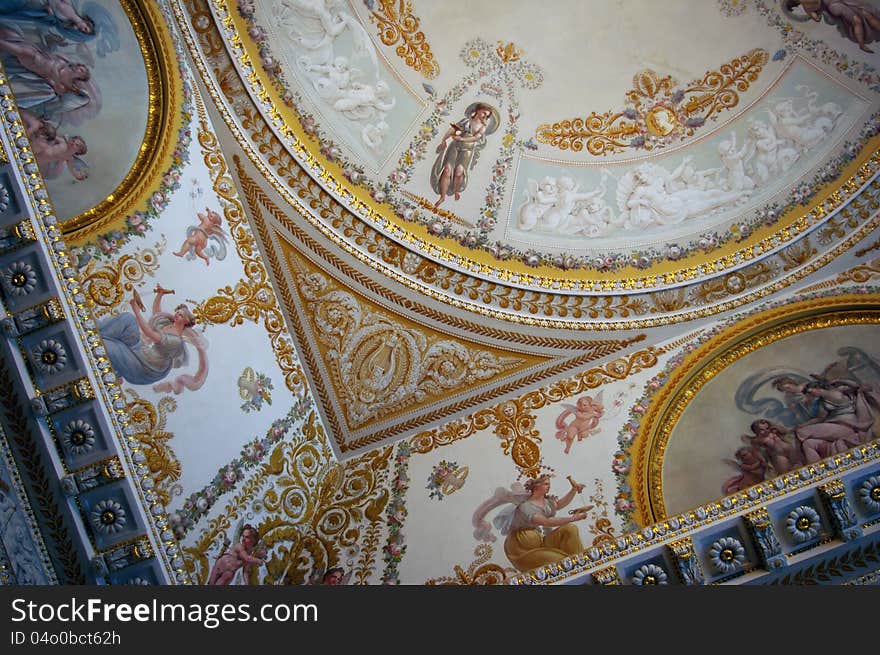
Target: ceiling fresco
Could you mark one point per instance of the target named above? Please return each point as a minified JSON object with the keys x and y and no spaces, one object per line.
{"x":395,"y":268}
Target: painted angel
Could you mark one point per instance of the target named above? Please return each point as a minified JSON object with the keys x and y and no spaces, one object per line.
{"x":460,"y":148}
{"x":534,"y":534}
{"x":752,"y":466}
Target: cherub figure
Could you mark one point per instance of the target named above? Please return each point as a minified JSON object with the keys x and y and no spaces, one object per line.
{"x":238,"y":556}
{"x":197,"y":237}
{"x":54,"y":154}
{"x":586,"y":414}
{"x":752,"y":466}
{"x":539,"y":199}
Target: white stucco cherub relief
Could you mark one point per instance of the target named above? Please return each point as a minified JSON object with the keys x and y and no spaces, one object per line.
{"x":359,"y":96}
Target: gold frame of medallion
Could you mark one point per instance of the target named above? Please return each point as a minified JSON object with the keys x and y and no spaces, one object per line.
{"x":164,"y":120}
{"x":706,"y":361}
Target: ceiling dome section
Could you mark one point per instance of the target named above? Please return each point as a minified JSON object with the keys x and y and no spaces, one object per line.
{"x":588,"y":150}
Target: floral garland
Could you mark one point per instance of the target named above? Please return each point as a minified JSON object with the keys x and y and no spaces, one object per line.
{"x":199,"y":503}
{"x":488,"y":63}
{"x":105,"y":246}
{"x":624,"y":502}
{"x":393,"y":550}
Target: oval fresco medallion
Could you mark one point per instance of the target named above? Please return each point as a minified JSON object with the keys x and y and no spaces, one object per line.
{"x":98,"y":86}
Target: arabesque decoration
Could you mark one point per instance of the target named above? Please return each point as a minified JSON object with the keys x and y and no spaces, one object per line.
{"x":659,"y":112}
{"x":312,"y":509}
{"x":379,"y":363}
{"x":399,"y":25}
{"x":513,"y":421}
{"x":107,"y":284}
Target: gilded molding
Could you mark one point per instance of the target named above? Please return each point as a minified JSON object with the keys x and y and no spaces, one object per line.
{"x":399,"y":25}
{"x":658,"y":113}
{"x":590,"y":350}
{"x":595,"y":307}
{"x":728,"y":256}
{"x":381,"y":363}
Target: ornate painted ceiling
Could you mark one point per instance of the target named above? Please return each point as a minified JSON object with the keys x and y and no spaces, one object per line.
{"x":486,"y":175}
{"x":461,"y":243}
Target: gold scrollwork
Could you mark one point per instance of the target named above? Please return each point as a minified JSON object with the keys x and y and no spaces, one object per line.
{"x":658,"y":112}
{"x":861,"y":273}
{"x":251,"y":298}
{"x":164,"y":121}
{"x":736,"y":282}
{"x":380,"y":365}
{"x":149,"y":423}
{"x":105,"y":285}
{"x":602,"y":528}
{"x":479,"y":572}
{"x":397,"y":23}
{"x":705,"y":362}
